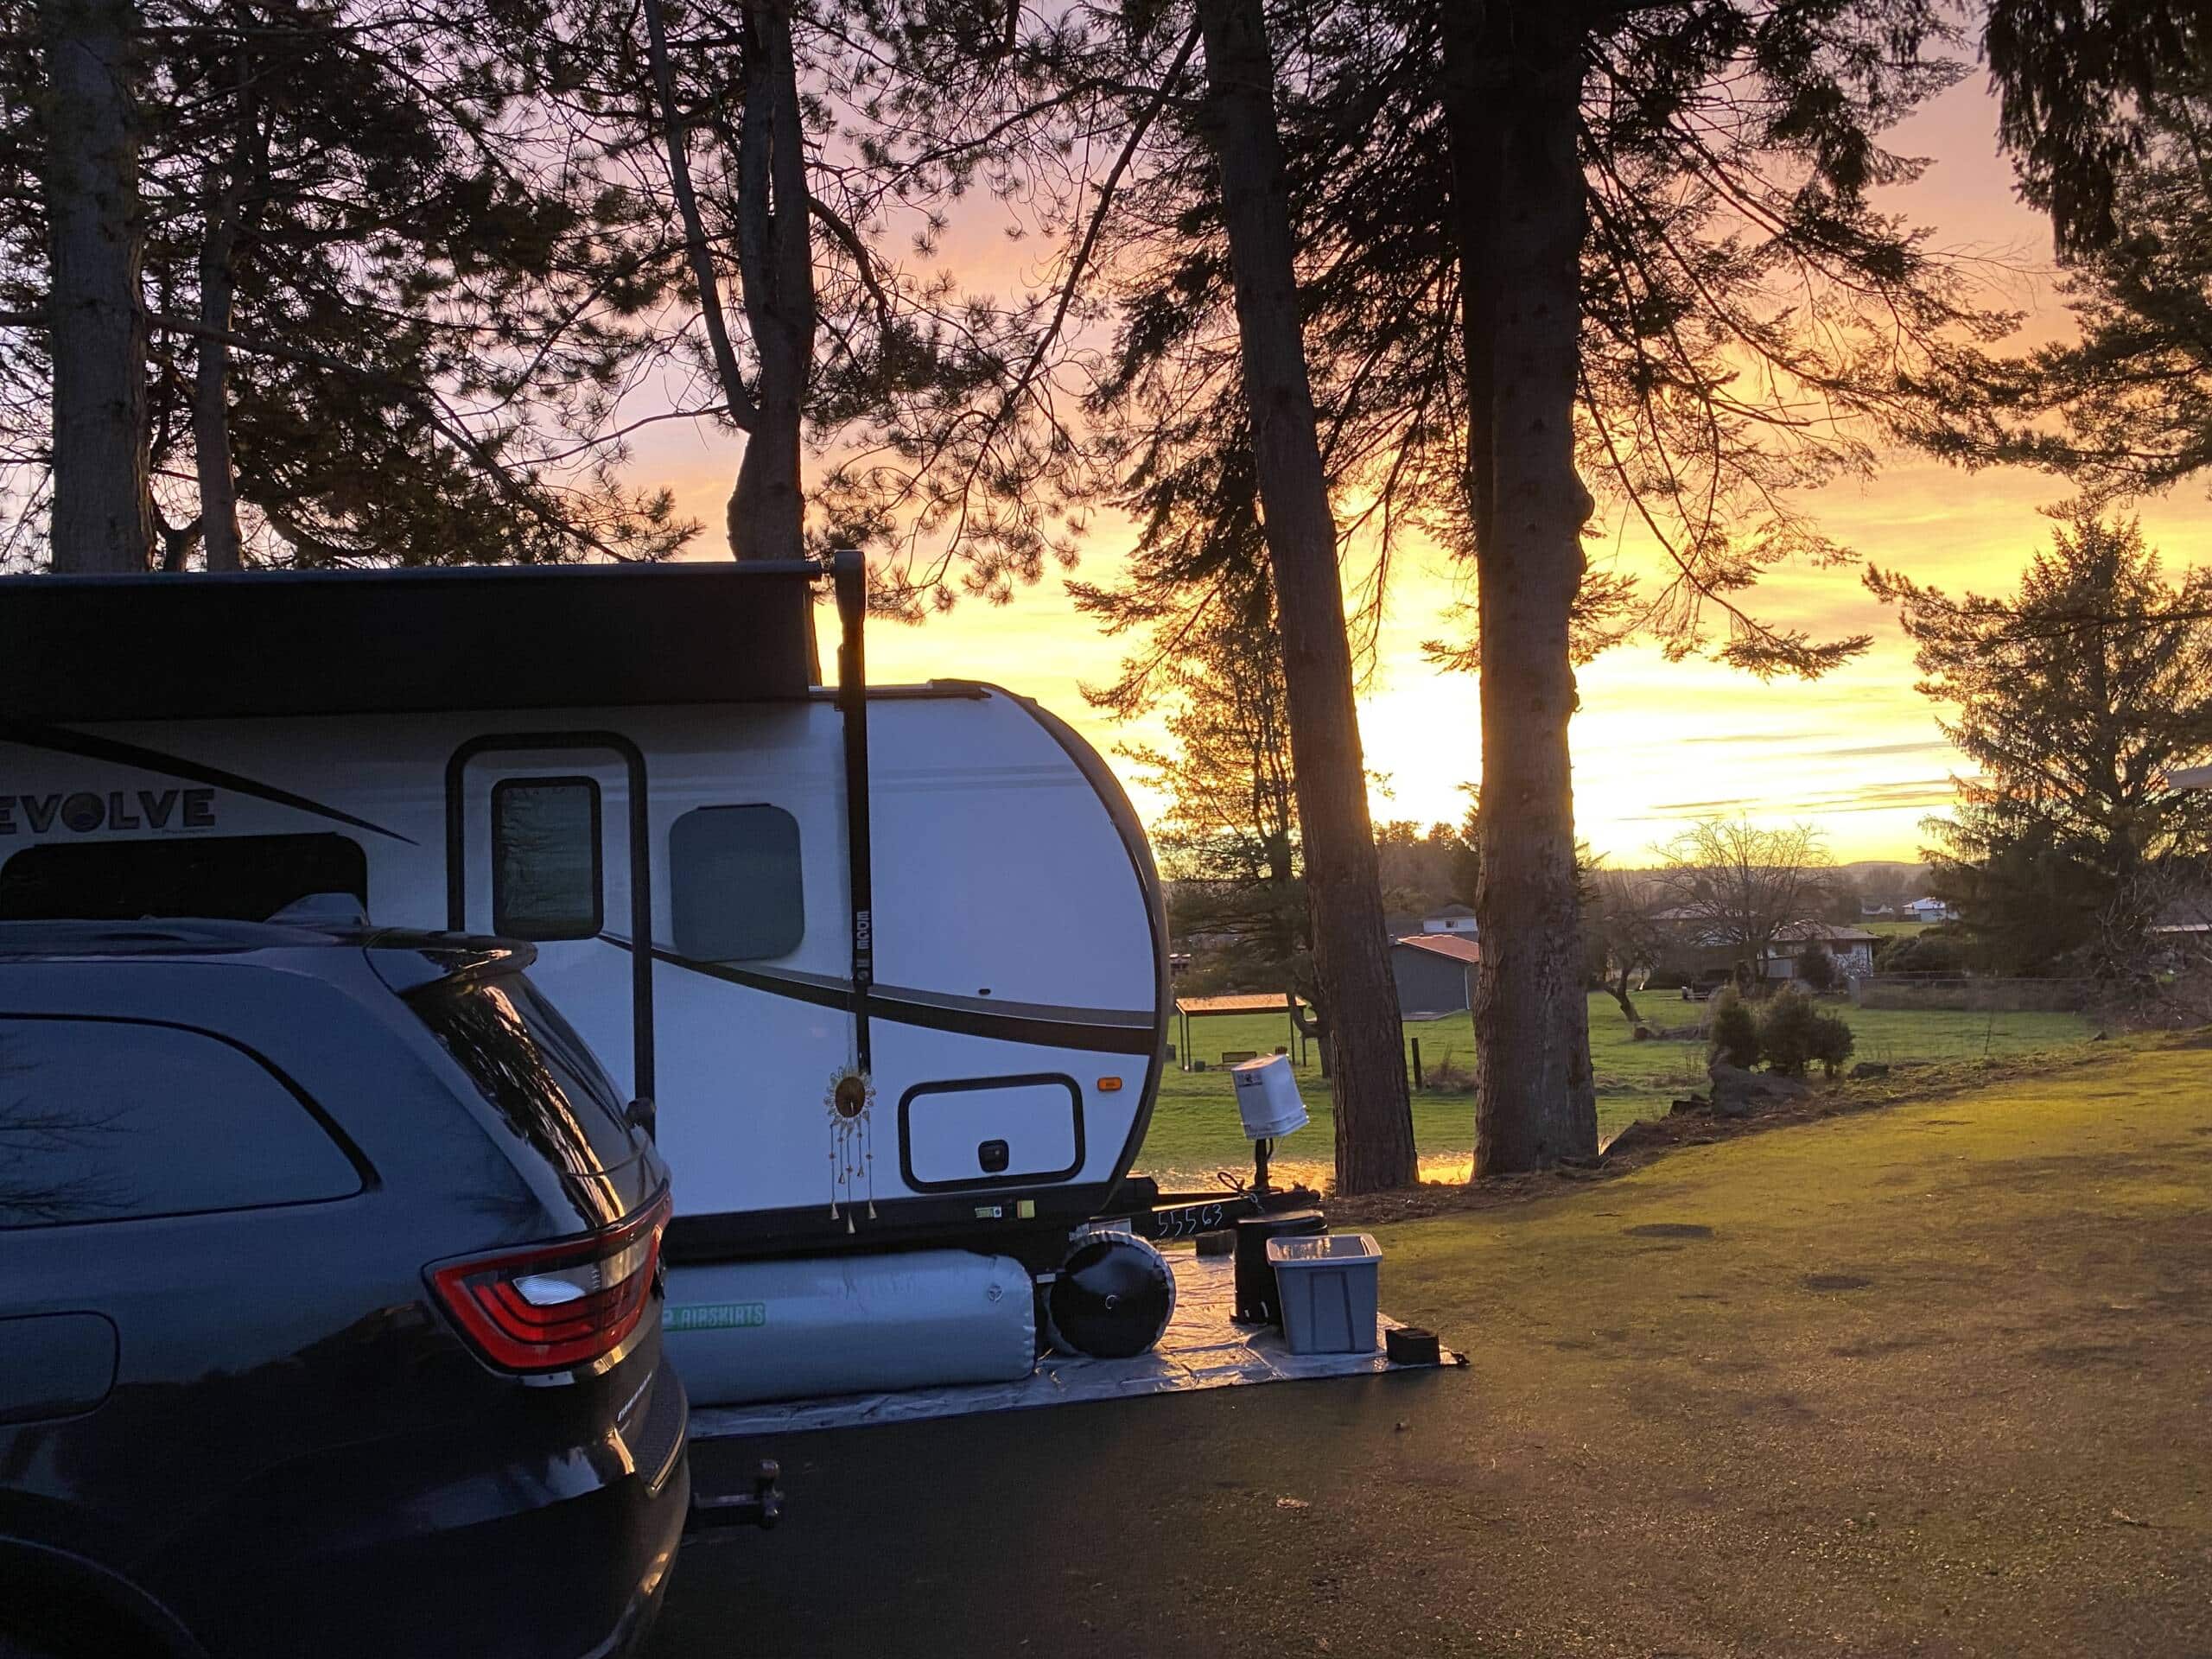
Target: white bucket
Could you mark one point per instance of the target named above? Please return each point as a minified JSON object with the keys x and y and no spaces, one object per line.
{"x":1267,"y":1097}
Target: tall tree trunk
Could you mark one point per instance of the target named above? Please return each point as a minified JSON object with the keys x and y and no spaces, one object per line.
{"x":103,"y":516}
{"x":1514,"y":136}
{"x":1474,"y":76}
{"x":766,"y":515}
{"x":211,"y":410}
{"x":767,"y":509}
{"x":1616,"y":985}
{"x":211,"y":382}
{"x":1362,"y":1041}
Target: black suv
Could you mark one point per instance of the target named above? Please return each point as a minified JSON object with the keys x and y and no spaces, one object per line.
{"x":329,"y":1304}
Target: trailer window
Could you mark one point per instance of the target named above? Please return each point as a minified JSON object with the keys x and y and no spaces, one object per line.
{"x":231,"y":878}
{"x":733,"y":873}
{"x":545,"y":858}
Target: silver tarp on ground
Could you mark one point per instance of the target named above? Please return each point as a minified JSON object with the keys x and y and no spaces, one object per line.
{"x":1202,"y":1349}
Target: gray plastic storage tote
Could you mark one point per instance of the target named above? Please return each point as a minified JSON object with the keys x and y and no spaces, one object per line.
{"x":1326,"y":1287}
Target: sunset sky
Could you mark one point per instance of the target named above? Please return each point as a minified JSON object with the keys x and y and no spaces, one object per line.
{"x":1656,"y":744}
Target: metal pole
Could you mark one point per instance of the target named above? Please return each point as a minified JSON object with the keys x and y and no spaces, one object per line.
{"x":848,"y":573}
{"x":1417,"y":1043}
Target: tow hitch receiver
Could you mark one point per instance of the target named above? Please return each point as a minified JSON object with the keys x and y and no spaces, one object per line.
{"x":761,"y":1507}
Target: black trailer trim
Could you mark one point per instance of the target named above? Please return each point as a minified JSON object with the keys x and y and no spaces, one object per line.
{"x":977,"y":1085}
{"x":1031,"y":1226}
{"x":641,"y":865}
{"x":87,"y":746}
{"x":1101,"y":1030}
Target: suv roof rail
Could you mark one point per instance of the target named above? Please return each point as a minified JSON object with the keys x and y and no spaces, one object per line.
{"x":429,"y":956}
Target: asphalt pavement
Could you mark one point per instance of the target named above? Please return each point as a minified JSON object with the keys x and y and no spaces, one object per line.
{"x":1283,"y":1518}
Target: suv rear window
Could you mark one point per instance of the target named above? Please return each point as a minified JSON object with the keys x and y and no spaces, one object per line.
{"x":243,"y":878}
{"x":530,"y":1063}
{"x":110,"y":1120}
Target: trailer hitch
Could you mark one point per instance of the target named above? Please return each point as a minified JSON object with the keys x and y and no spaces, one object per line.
{"x":762,"y":1507}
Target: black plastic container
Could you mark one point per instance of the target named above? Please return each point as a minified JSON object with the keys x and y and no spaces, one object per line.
{"x":1407,"y":1344}
{"x":1256,"y":1300}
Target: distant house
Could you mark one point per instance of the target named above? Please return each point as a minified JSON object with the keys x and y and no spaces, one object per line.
{"x":1873,"y":910}
{"x":1929,"y":909}
{"x":1851,"y":947}
{"x":1705,"y":959}
{"x":1436,"y":973}
{"x":1450,"y":918}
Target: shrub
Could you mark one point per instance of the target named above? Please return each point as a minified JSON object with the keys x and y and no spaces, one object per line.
{"x":1816,"y":968}
{"x":1940,"y":955}
{"x":1445,"y":1076}
{"x":1733,"y":1033}
{"x":1787,"y":1031}
{"x":1832,"y":1042}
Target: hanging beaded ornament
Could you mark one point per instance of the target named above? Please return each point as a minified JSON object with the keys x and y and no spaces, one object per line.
{"x":852,"y":1141}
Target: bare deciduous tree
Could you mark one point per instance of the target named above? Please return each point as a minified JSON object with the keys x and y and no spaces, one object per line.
{"x":1624,"y":931}
{"x":1738,"y":885}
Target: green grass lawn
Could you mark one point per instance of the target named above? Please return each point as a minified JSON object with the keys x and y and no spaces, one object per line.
{"x":1195,"y":1129}
{"x":1894,"y":930}
{"x":1921,"y":1382}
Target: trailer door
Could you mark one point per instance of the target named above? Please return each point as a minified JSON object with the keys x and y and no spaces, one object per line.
{"x":546,"y":841}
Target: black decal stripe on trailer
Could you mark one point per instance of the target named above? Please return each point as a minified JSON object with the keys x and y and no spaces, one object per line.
{"x":1098,"y":1031}
{"x":87,"y":747}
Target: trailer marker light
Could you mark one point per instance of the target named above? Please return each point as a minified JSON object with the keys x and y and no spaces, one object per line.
{"x":1108,"y":1085}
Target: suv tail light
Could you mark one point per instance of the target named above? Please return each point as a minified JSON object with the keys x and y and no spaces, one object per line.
{"x":556,"y":1306}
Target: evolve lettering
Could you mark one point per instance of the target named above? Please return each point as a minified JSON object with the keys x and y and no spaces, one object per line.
{"x":84,"y":811}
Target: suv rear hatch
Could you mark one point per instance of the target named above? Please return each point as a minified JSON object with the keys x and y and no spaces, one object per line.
{"x":573,"y":1300}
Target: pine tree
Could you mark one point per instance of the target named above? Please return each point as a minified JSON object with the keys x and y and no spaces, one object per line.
{"x":2108,"y":115}
{"x":1228,"y":839}
{"x":384,"y":311}
{"x":2076,"y":700}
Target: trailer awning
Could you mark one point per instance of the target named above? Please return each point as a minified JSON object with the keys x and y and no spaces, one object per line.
{"x":79,"y":649}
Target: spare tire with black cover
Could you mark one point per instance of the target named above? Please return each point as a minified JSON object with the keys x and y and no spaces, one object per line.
{"x":1112,"y":1298}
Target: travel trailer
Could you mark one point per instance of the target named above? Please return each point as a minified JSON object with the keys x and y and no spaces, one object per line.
{"x":888,"y":965}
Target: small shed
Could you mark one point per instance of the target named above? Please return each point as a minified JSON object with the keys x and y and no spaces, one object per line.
{"x":1450,"y":918}
{"x":1436,"y":973}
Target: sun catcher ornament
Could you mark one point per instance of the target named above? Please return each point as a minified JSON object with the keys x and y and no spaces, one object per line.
{"x":852,"y":1141}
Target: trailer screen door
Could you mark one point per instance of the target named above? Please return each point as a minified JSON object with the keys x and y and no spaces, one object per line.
{"x":544,"y":845}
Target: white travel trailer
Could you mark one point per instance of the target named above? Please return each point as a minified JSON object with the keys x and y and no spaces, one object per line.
{"x":890,"y":962}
